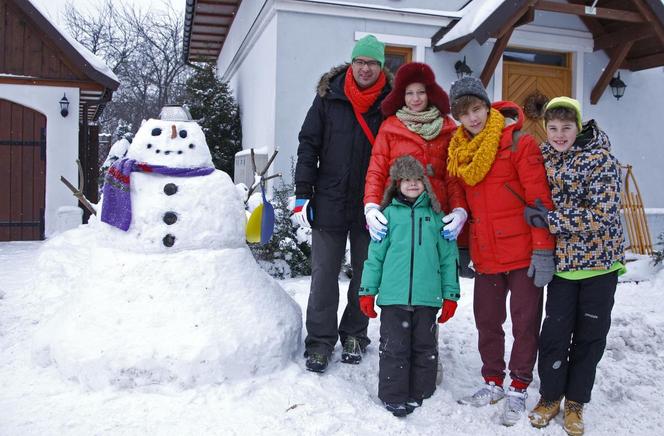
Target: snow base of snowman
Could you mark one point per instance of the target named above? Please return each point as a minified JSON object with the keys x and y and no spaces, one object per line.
{"x":190,"y":318}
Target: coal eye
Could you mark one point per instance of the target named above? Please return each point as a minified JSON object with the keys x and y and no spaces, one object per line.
{"x":191,"y":146}
{"x":183,"y":133}
{"x":156,"y":131}
{"x":149,"y":146}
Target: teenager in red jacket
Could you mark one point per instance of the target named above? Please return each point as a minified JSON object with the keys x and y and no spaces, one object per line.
{"x":501,"y":169}
{"x":417,"y":124}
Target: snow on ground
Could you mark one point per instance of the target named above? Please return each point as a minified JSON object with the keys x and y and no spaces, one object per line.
{"x":37,"y":401}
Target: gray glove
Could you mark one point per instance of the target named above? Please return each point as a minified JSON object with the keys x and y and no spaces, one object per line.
{"x":538,"y":215}
{"x":542,"y":267}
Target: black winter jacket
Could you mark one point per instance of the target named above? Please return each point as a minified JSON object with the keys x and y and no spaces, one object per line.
{"x":333,"y":154}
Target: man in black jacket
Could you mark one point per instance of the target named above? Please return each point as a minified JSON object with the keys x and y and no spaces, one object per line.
{"x":332,"y":160}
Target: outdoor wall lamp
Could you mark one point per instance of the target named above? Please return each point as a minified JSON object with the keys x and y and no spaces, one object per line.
{"x":462,"y":69}
{"x":617,"y":87}
{"x":64,"y":106}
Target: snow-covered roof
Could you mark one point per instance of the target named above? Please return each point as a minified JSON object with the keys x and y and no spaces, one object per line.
{"x":473,"y":15}
{"x":95,"y":68}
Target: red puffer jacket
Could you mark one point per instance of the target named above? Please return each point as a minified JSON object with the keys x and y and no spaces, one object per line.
{"x":395,"y":140}
{"x":500,"y":239}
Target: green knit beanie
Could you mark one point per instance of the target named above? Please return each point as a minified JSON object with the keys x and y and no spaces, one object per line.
{"x":370,"y":47}
{"x":568,"y":103}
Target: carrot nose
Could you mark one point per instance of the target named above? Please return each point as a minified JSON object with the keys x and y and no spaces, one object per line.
{"x":174,"y":131}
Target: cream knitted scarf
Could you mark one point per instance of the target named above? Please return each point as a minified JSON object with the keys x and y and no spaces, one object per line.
{"x":427,"y":123}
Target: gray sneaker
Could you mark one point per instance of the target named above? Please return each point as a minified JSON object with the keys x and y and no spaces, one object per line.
{"x":515,"y":406}
{"x":487,"y":394}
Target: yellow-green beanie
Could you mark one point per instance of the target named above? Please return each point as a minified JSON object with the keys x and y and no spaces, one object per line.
{"x":568,"y":103}
{"x":370,"y":47}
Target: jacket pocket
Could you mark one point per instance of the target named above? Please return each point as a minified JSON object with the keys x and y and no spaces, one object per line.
{"x":513,"y":240}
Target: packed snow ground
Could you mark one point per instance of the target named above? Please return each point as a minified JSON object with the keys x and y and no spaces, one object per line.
{"x":627,"y":399}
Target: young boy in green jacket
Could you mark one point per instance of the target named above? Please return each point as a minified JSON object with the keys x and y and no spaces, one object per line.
{"x":413,"y":270}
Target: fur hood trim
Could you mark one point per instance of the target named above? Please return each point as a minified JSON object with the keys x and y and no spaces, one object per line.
{"x":324,"y":83}
{"x":407,"y":167}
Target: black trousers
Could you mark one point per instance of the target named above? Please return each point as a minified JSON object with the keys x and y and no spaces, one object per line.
{"x":327,"y":253}
{"x":408,"y":353}
{"x":573,"y":338}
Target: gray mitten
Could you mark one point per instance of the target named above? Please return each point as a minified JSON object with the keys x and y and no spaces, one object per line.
{"x":542,"y":267}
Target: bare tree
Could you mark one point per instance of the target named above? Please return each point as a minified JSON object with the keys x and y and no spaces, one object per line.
{"x":143,"y":48}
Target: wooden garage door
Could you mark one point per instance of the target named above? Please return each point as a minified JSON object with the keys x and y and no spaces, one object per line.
{"x":523,"y":79}
{"x":22,"y":172}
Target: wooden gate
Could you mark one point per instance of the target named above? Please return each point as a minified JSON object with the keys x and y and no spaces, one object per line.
{"x":22,"y":172}
{"x":521,"y":80}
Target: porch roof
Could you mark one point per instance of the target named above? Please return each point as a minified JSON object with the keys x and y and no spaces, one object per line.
{"x":206,"y":26}
{"x":630,"y":32}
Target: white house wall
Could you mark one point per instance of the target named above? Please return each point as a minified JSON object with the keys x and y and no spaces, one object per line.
{"x":61,"y":141}
{"x":253,"y":82}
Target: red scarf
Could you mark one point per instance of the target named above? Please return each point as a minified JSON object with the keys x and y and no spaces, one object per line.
{"x":363,"y":99}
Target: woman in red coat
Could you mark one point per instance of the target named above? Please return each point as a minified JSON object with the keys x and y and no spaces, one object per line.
{"x":418,"y":124}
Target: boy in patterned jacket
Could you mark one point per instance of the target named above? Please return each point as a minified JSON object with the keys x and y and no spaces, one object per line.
{"x":585,"y":187}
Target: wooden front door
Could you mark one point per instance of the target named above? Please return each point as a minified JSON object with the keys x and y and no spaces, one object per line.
{"x":22,"y":172}
{"x":521,"y":80}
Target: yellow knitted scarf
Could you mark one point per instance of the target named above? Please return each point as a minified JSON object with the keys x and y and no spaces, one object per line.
{"x":472,"y":160}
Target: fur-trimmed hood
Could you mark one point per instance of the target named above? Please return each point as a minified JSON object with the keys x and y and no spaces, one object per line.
{"x":326,"y":79}
{"x":407,"y":167}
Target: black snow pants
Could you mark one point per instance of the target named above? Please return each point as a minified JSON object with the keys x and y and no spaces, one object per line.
{"x":408,"y":353}
{"x":327,"y":253}
{"x":573,"y":338}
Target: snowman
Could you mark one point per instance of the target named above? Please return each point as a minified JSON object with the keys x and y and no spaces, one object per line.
{"x":170,"y":293}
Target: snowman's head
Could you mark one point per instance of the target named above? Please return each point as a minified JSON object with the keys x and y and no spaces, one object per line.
{"x":178,"y":144}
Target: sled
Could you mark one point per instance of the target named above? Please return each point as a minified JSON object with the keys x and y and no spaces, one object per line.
{"x":636,"y":221}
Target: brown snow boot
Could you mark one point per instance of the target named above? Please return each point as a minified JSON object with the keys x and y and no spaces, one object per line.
{"x":573,"y":418}
{"x":544,"y":412}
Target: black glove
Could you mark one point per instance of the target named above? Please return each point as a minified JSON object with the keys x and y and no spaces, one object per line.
{"x":465,"y":270}
{"x":538,"y":215}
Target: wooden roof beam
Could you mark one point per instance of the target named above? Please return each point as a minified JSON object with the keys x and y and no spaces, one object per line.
{"x":645,"y":62}
{"x":616,"y":60}
{"x":494,"y":56}
{"x":651,"y":18}
{"x":576,"y":9}
{"x":634,"y":32}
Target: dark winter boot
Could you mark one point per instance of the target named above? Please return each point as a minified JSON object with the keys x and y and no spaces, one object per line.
{"x":397,"y":409}
{"x":352,"y":351}
{"x":412,"y":404}
{"x":317,"y":362}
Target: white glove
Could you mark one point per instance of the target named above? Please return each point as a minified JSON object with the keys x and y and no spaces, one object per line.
{"x":455,"y":221}
{"x":299,"y":217}
{"x":376,"y":221}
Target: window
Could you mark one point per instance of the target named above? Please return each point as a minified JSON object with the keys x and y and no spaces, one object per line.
{"x":397,"y":56}
{"x":535,"y":57}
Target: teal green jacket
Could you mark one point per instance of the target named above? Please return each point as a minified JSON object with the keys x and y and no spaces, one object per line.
{"x":413,"y":264}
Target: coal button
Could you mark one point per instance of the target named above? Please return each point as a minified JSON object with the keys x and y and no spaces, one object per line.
{"x":170,"y":218}
{"x":170,"y":188}
{"x":168,"y":240}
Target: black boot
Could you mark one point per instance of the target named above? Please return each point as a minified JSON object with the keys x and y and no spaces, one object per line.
{"x":317,"y":362}
{"x":352,"y":350}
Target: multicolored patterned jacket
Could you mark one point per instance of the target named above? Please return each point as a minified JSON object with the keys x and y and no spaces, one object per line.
{"x":585,"y":186}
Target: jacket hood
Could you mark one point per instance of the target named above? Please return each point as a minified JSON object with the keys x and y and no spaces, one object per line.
{"x":512,"y":112}
{"x":407,"y":167}
{"x":326,"y":85}
{"x":591,"y":137}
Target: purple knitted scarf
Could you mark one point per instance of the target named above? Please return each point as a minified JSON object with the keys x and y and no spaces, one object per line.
{"x":116,"y":206}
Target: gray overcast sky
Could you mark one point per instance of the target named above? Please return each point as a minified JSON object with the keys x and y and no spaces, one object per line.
{"x":55,"y":8}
